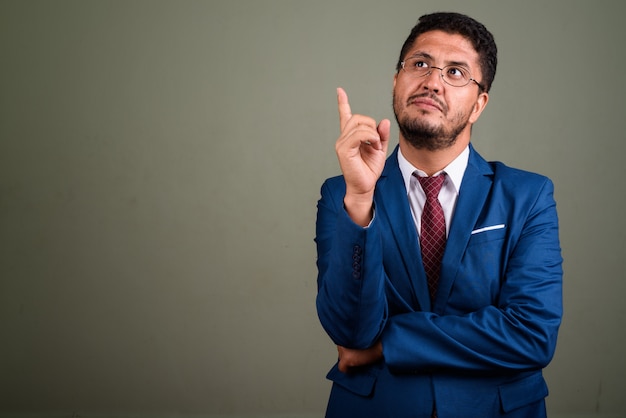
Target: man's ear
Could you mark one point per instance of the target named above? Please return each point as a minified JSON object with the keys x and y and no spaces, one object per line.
{"x":479,"y":106}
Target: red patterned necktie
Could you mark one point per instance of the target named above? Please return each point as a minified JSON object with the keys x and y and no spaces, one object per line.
{"x":433,"y":231}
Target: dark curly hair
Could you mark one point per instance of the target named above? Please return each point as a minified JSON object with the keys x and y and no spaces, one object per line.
{"x":456,"y":23}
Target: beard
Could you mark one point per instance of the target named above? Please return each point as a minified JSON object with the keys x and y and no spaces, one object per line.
{"x":419,"y":133}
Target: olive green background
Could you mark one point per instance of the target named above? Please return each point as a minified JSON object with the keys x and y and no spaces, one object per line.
{"x":160,"y":163}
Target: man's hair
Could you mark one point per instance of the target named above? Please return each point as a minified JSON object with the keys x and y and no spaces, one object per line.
{"x":455,"y":23}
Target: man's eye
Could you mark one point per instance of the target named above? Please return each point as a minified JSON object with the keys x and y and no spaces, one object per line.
{"x":455,"y":72}
{"x":421,"y":64}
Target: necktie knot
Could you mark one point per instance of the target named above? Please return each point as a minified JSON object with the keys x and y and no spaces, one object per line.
{"x":432,"y":185}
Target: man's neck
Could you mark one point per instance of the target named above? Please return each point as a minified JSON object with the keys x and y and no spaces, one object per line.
{"x":432,"y":162}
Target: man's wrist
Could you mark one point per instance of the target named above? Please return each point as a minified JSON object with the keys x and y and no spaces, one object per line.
{"x":360,"y":208}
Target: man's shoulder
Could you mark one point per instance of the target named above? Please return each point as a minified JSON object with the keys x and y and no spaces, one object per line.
{"x":500,"y":169}
{"x":518,"y":184}
{"x":507,"y":176}
{"x":505,"y":173}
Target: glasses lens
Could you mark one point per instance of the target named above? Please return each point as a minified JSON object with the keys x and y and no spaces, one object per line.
{"x":416,"y":67}
{"x":455,"y":76}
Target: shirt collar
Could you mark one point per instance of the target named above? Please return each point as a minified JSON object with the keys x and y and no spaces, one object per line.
{"x":455,"y":170}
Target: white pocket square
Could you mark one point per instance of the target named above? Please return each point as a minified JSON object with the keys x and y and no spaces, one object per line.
{"x":487,"y":228}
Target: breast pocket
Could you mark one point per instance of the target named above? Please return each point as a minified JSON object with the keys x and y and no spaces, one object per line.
{"x":485,"y":253}
{"x":479,"y":275}
{"x":488,"y":233}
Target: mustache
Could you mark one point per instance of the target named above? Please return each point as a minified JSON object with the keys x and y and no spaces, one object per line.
{"x":430,"y":96}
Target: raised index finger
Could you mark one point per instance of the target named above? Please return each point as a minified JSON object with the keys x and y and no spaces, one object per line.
{"x":345,"y":113}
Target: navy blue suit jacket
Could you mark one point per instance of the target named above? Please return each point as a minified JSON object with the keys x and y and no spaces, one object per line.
{"x":478,"y":349}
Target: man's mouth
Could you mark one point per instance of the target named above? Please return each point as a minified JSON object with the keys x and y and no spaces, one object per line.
{"x":424,"y":101}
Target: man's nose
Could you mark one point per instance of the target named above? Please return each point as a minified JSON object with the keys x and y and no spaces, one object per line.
{"x":433,"y":80}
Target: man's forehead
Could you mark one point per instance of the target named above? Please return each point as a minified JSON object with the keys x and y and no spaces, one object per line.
{"x":437,"y":42}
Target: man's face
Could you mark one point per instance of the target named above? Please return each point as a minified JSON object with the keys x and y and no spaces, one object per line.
{"x":430,"y":113}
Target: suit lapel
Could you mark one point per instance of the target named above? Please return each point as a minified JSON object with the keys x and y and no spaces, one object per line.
{"x":475,"y":188}
{"x":393,"y":208}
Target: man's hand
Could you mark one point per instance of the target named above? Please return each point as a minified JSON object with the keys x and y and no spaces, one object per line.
{"x":362,"y":150}
{"x":350,"y":358}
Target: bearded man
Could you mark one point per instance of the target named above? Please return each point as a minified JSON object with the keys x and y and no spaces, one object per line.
{"x":440,"y":277}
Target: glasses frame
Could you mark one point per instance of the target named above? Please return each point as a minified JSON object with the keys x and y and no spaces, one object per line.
{"x":430,"y":71}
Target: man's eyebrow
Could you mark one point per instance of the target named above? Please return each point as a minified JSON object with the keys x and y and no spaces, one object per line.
{"x":420,"y":55}
{"x":458,"y":64}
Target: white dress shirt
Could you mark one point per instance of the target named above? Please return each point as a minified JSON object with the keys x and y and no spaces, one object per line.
{"x":449,"y":191}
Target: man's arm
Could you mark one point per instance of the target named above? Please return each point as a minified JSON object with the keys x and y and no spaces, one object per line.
{"x":351,"y":300}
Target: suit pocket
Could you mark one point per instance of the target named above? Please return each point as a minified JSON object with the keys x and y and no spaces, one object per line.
{"x":486,"y":236}
{"x":359,"y":382}
{"x":522,"y":392}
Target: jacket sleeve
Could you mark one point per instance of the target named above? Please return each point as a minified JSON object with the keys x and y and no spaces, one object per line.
{"x":351,"y":302}
{"x":518,"y":331}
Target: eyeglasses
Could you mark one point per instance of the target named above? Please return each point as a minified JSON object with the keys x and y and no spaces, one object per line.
{"x":454,"y":75}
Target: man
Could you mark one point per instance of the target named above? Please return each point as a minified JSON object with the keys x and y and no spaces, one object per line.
{"x":456,"y":323}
